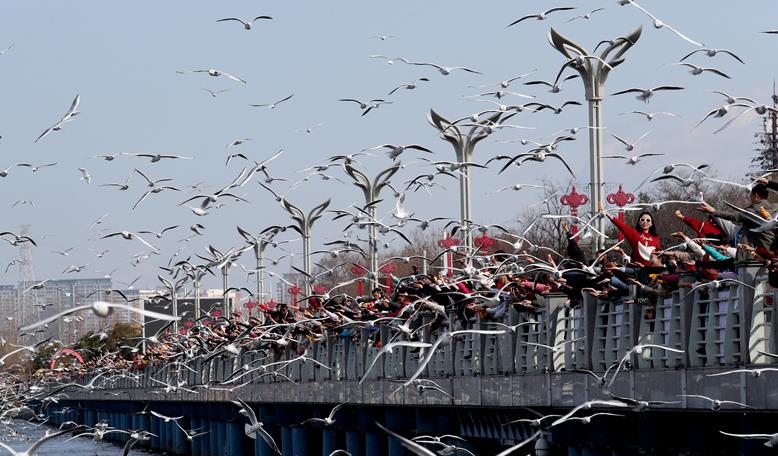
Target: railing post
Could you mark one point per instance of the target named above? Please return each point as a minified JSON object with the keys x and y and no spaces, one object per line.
{"x":747,"y":272}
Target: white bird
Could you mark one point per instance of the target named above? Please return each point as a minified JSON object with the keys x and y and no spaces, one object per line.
{"x":166,"y":418}
{"x":630,"y":146}
{"x":771,"y":440}
{"x":646,"y":94}
{"x":310,"y":129}
{"x":660,"y":24}
{"x":650,"y":115}
{"x":444,"y":70}
{"x":408,"y":86}
{"x":85,"y":176}
{"x":698,"y":70}
{"x":754,"y":372}
{"x":759,"y":109}
{"x":715,"y":404}
{"x":216,"y":93}
{"x":388,"y":349}
{"x":214,"y":73}
{"x":254,"y":426}
{"x":638,"y":349}
{"x":246,"y":24}
{"x":586,"y":406}
{"x":238,"y":142}
{"x":102,"y":310}
{"x":633,"y":160}
{"x":518,"y":187}
{"x":713,"y":53}
{"x":129,"y":236}
{"x":272,"y":105}
{"x":587,"y":15}
{"x":541,"y":16}
{"x":72,"y":112}
{"x":330,"y":419}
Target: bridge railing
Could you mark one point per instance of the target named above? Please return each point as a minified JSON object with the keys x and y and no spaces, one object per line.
{"x":728,"y":325}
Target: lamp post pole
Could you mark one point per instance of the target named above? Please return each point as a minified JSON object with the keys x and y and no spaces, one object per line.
{"x":371,"y":189}
{"x":464,"y":144}
{"x":594,"y":72}
{"x":304,"y":225}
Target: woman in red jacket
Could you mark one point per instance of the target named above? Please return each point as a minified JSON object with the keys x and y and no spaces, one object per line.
{"x":642,"y":238}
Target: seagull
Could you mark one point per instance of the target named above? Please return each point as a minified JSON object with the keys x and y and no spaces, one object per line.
{"x":395,"y":151}
{"x":159,"y":235}
{"x":102,"y":309}
{"x":362,"y":104}
{"x":72,"y":112}
{"x":646,"y":94}
{"x":310,"y":129}
{"x":659,"y":24}
{"x":254,"y":426}
{"x":638,"y":349}
{"x":246,"y":24}
{"x":732,"y":100}
{"x":650,"y":115}
{"x":389,"y":61}
{"x":761,"y":110}
{"x":85,"y":176}
{"x":380,"y":37}
{"x":330,"y":420}
{"x":272,"y":105}
{"x":555,"y":110}
{"x":572,"y":131}
{"x":166,"y":418}
{"x":238,"y":142}
{"x":153,"y":189}
{"x":556,"y":86}
{"x":121,"y":186}
{"x":12,"y":45}
{"x":445,"y":71}
{"x":630,"y":146}
{"x":157,"y":157}
{"x":30,"y":202}
{"x":771,"y":440}
{"x":712,"y":53}
{"x":518,"y":187}
{"x":541,"y":16}
{"x":35,"y":168}
{"x":388,"y":349}
{"x":587,"y":15}
{"x":129,"y":236}
{"x":216,"y":93}
{"x":99,"y":220}
{"x":715,"y":404}
{"x":213,"y":72}
{"x":698,"y":70}
{"x":408,"y":86}
{"x":18,"y":239}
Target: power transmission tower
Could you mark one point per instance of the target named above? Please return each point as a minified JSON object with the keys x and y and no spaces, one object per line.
{"x":28,"y":301}
{"x":767,"y":140}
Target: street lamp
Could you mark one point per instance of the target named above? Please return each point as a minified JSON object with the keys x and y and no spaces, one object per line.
{"x":304,"y":225}
{"x":463,"y":148}
{"x":371,"y":190}
{"x":594,"y":71}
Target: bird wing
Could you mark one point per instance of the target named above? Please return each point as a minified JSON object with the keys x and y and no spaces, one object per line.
{"x":232,"y":19}
{"x":750,"y":216}
{"x":529,"y":16}
{"x":409,"y":444}
{"x":234,"y":78}
{"x":48,"y":320}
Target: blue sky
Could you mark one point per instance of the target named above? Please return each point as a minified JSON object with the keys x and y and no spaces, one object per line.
{"x":122,"y":57}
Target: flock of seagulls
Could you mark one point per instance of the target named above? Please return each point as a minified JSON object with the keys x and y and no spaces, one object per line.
{"x":202,"y":200}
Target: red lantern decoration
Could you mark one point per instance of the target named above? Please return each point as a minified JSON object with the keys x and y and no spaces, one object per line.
{"x":621,"y":199}
{"x":574,"y":200}
{"x":388,"y":269}
{"x":320,"y":289}
{"x":359,"y":270}
{"x":484,"y":242}
{"x":448,"y":259}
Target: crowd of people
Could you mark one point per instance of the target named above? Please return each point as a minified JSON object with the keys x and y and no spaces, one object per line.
{"x":485,"y":286}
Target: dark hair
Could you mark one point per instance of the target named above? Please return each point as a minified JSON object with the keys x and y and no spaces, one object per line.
{"x":760,"y":190}
{"x":651,"y":229}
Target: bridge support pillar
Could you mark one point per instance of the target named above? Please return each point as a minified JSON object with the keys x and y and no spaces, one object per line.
{"x":355,"y":443}
{"x":197,"y":442}
{"x":287,"y":441}
{"x":330,"y":441}
{"x":376,"y":442}
{"x":155,"y":430}
{"x":180,"y":442}
{"x":302,"y":444}
{"x":216,"y":437}
{"x":235,"y":438}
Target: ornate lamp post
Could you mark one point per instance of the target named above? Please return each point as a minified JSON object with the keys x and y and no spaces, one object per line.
{"x":463,"y":148}
{"x":594,"y":72}
{"x":371,"y":189}
{"x":574,"y":199}
{"x":304,"y":225}
{"x":621,"y":199}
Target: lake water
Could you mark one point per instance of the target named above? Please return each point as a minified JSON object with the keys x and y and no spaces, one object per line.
{"x":83,"y":446}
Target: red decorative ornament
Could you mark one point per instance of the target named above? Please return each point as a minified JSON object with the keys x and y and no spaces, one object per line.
{"x":320,"y":289}
{"x":188,"y":324}
{"x":621,"y":199}
{"x":359,"y":269}
{"x":574,"y":200}
{"x":216,"y":313}
{"x":484,"y":242}
{"x":449,"y":242}
{"x":295,"y":290}
{"x":182,"y":331}
{"x":388,"y":268}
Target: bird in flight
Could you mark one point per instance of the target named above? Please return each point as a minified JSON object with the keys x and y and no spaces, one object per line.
{"x":72,"y":112}
{"x":272,"y":105}
{"x":213,"y":72}
{"x":246,"y":24}
{"x":541,"y":16}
